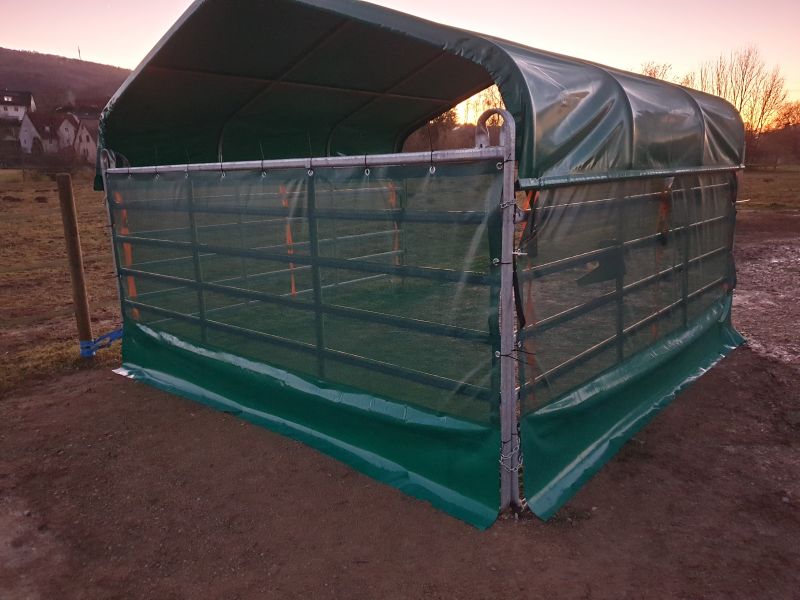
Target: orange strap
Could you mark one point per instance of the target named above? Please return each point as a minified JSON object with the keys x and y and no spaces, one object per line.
{"x":127,"y":254}
{"x":393,"y":206}
{"x":289,"y":240}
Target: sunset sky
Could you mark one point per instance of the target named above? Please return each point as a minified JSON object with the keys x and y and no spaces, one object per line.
{"x":619,"y":33}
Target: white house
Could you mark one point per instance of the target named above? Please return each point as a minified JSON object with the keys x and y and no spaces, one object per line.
{"x":86,"y":140}
{"x":67,"y":131}
{"x":30,"y":142}
{"x":42,"y":133}
{"x":15,"y":105}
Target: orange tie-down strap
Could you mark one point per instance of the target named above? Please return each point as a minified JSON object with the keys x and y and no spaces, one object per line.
{"x":289,"y":240}
{"x":127,"y":254}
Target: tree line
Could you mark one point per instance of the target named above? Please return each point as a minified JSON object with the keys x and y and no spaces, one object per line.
{"x":756,"y":90}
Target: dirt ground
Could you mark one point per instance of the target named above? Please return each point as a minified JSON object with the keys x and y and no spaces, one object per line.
{"x":110,"y":489}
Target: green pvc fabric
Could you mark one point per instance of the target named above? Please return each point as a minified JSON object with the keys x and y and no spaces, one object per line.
{"x":353,"y":309}
{"x":266,"y":79}
{"x":625,"y":291}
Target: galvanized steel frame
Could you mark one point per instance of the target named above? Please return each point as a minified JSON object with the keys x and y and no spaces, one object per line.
{"x":510,"y":458}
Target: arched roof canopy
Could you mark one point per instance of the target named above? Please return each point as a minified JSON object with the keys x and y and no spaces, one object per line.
{"x":251,"y":79}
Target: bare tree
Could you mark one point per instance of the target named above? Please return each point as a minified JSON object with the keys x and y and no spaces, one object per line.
{"x":474,"y":107}
{"x":789,"y":115}
{"x":688,"y":80}
{"x":764,"y":104}
{"x":656,"y":70}
{"x":742,"y":78}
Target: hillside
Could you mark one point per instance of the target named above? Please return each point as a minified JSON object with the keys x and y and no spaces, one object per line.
{"x":55,"y":80}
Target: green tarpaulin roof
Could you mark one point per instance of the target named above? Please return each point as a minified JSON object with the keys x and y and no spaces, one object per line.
{"x":252,"y":79}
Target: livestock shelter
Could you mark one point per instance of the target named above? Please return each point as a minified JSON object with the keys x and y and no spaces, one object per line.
{"x":429,"y":318}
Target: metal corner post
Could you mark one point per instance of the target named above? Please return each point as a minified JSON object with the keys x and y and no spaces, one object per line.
{"x":509,"y":432}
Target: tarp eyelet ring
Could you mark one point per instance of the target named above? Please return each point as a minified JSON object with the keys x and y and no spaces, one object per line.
{"x":367,"y":171}
{"x":263,"y":170}
{"x":499,"y":165}
{"x":221,"y":171}
{"x":432,"y":169}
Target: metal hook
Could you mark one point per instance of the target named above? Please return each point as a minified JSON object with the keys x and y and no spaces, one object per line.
{"x":432,"y":168}
{"x":222,"y":171}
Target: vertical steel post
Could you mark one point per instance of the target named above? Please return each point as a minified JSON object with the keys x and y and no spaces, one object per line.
{"x":509,"y":434}
{"x":619,"y":282}
{"x":313,"y":238}
{"x":198,"y":269}
{"x":72,"y":238}
{"x":685,"y":247}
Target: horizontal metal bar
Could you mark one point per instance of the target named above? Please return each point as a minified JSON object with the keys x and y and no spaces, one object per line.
{"x":399,"y":215}
{"x":428,"y":327}
{"x":444,"y":275}
{"x":562,"y":264}
{"x":671,"y":307}
{"x":542,"y":183}
{"x":364,"y":160}
{"x":586,"y":355}
{"x":429,"y":379}
{"x":259,"y":222}
{"x":566,"y":315}
{"x":651,"y":239}
{"x":336,"y":285}
{"x":164,"y":312}
{"x":602,"y":203}
{"x":600,"y":301}
{"x":572,"y":363}
{"x":443,"y":383}
{"x":332,"y":241}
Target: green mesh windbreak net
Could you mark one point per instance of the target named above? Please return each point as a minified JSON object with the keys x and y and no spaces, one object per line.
{"x":625,"y":291}
{"x":354,"y":309}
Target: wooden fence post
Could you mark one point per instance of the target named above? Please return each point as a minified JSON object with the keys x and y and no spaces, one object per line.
{"x":80,"y":299}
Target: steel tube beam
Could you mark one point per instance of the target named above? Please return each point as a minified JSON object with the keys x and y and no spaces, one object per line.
{"x":363,"y":160}
{"x":429,"y":327}
{"x":422,"y":377}
{"x":543,"y":183}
